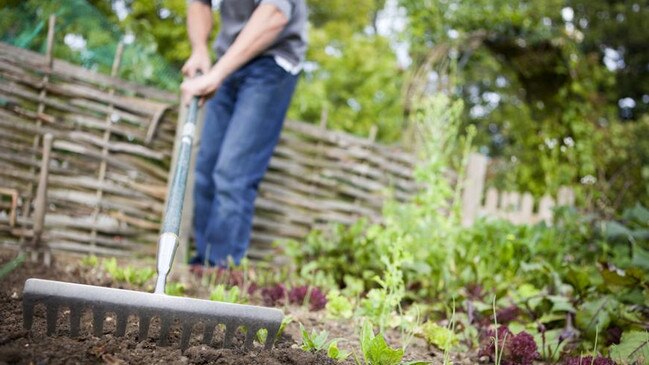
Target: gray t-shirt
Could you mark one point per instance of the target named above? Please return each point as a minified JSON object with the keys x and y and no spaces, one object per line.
{"x":289,"y":46}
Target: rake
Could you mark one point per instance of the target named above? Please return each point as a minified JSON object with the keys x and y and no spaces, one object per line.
{"x":77,"y":298}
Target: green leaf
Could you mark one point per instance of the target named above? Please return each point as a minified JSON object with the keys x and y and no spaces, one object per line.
{"x":338,"y":306}
{"x":379,"y":353}
{"x":262,"y":335}
{"x":614,"y":230}
{"x":596,"y":315}
{"x":307,"y":342}
{"x":314,"y":341}
{"x":579,"y":278}
{"x":439,"y":336}
{"x":335,"y":353}
{"x":638,"y":214}
{"x":561,"y":304}
{"x":617,"y":278}
{"x":633,"y":348}
{"x":640,"y":257}
{"x":367,"y":334}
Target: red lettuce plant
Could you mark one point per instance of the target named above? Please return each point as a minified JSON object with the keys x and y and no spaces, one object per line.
{"x":517,"y":349}
{"x":508,"y":314}
{"x":317,"y":299}
{"x":297,"y":294}
{"x":274,"y":295}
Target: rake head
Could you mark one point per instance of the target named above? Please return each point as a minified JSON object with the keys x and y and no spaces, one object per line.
{"x":56,"y":295}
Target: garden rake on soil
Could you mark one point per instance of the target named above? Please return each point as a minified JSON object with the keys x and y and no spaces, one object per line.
{"x":188,"y":312}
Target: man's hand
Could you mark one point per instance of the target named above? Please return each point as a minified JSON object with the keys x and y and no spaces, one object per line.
{"x":203,"y":86}
{"x":263,"y":27}
{"x":198,"y":61}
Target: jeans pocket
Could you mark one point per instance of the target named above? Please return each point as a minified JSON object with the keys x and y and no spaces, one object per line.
{"x":264,"y":69}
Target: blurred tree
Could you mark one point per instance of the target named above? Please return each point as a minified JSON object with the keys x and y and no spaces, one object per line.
{"x":351,"y":77}
{"x":84,"y":35}
{"x":540,"y":95}
{"x":616,"y":31}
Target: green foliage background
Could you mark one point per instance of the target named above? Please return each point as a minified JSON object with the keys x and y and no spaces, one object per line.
{"x":531,"y":73}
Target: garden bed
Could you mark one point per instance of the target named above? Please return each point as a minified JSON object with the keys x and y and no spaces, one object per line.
{"x":19,"y":346}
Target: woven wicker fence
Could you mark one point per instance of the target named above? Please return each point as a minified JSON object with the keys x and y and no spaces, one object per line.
{"x":112,"y":151}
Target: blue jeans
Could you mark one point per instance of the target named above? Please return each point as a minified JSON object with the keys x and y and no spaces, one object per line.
{"x":243,"y":121}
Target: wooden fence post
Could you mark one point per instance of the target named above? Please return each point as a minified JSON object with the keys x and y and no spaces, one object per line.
{"x":527,"y":206}
{"x":491,"y":202}
{"x":565,"y":196}
{"x":545,"y":209}
{"x":513,"y":207}
{"x":473,"y":186}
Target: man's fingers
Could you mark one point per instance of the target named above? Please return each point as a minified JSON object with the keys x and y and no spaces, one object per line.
{"x":185,"y":69}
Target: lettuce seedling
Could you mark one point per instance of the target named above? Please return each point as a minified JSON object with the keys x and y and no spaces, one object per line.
{"x":375,"y":350}
{"x":338,"y":306}
{"x":221,"y":294}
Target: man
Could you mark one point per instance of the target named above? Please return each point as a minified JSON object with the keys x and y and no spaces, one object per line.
{"x":260,"y":49}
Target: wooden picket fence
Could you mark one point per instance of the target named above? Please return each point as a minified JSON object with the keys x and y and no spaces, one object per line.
{"x":516,"y":207}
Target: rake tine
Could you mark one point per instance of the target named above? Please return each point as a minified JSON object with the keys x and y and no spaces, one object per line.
{"x":28,"y":314}
{"x":144,"y":327}
{"x":122,"y":320}
{"x":187,"y":332}
{"x":98,"y":321}
{"x":52,"y":315}
{"x":208,"y":332}
{"x":229,"y":335}
{"x":250,"y":337}
{"x":273,"y":330}
{"x":165,"y":325}
{"x":75,"y":319}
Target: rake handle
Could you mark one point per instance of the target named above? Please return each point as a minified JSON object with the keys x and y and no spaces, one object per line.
{"x":168,"y":242}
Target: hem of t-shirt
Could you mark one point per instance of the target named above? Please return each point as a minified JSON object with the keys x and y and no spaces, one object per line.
{"x":287,"y":65}
{"x":283,"y":5}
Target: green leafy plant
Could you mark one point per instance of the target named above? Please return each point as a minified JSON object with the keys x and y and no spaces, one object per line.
{"x":442,"y":337}
{"x":338,"y":306}
{"x":318,"y":341}
{"x":175,"y":288}
{"x":335,"y":353}
{"x":633,"y":348}
{"x":262,"y":334}
{"x":128,"y":274}
{"x":375,"y":350}
{"x":221,"y":294}
{"x":90,"y":261}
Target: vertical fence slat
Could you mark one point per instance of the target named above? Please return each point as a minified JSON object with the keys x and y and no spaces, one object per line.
{"x":106,"y":138}
{"x":473,"y":186}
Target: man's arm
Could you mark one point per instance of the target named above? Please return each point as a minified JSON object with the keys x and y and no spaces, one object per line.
{"x":199,"y":26}
{"x":265,"y":24}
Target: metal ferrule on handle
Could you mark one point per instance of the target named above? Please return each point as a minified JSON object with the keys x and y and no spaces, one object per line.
{"x":168,"y":241}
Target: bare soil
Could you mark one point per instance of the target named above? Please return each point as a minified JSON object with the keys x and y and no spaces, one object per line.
{"x":18,"y":346}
